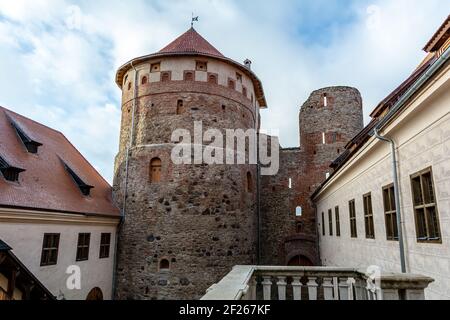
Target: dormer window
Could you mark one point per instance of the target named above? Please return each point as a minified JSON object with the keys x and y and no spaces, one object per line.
{"x":31,"y":145}
{"x":84,"y":188}
{"x":9,"y":172}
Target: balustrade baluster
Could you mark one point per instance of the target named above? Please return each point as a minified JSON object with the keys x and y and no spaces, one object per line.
{"x":312,"y":288}
{"x":297,"y":288}
{"x":281,"y":288}
{"x":328,"y":288}
{"x":267,"y":287}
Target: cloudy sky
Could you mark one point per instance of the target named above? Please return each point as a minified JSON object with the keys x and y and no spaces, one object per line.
{"x":58,"y":57}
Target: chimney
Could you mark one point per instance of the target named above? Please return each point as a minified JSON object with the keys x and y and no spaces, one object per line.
{"x":248,"y":64}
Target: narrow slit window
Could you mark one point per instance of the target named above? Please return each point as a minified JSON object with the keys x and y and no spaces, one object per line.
{"x":323,"y":224}
{"x":299,"y":211}
{"x":324,"y":138}
{"x":290,"y":183}
{"x":180,"y":106}
{"x":325,"y":100}
{"x":155,"y":170}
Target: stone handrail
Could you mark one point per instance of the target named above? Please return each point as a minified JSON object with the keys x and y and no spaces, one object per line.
{"x":315,"y":283}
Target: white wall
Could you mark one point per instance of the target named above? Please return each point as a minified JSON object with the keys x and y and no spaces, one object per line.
{"x":422,"y":133}
{"x":25,"y":235}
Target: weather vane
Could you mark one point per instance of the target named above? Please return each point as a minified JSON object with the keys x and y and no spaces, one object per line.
{"x":194,"y":19}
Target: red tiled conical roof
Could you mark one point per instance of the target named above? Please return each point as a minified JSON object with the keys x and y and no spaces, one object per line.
{"x":191,"y":42}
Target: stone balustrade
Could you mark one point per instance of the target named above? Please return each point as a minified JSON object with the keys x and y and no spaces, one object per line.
{"x":315,"y":283}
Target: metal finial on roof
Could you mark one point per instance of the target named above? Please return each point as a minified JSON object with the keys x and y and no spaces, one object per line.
{"x":194,"y":19}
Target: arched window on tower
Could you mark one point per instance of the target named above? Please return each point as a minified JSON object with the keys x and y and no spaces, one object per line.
{"x":155,"y":170}
{"x":249,"y":183}
{"x":325,"y":100}
{"x":212,"y":78}
{"x":129,"y":86}
{"x":189,"y":76}
{"x":164,"y":265}
{"x":144,"y":80}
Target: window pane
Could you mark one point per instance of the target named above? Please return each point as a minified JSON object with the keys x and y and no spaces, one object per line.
{"x":427,"y":183}
{"x":386,"y":201}
{"x":394,"y":225}
{"x":417,"y":191}
{"x":392,"y":199}
{"x":433,"y":224}
{"x":421,"y":224}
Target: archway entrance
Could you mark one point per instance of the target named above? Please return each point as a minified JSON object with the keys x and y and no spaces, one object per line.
{"x":96,"y":294}
{"x":300,"y":261}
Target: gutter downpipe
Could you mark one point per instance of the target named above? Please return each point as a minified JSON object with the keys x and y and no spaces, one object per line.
{"x":411,"y":91}
{"x":127,"y":158}
{"x":397,"y":198}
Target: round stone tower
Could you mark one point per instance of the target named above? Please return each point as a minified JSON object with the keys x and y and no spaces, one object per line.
{"x":185,"y":226}
{"x":329,"y":119}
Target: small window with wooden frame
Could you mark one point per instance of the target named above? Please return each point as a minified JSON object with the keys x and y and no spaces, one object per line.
{"x":201,"y":66}
{"x":390,"y":213}
{"x":353,"y":222}
{"x":189,"y":75}
{"x":84,"y":240}
{"x":330,"y":222}
{"x":155,"y":170}
{"x":338,"y":221}
{"x":426,"y":215}
{"x":368,"y":216}
{"x":105,"y":244}
{"x":50,"y":248}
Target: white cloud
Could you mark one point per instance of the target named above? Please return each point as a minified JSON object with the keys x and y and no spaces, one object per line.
{"x":58,"y":57}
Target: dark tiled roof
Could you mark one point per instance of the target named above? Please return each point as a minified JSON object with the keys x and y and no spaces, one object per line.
{"x":46,"y":184}
{"x":440,"y":37}
{"x":191,"y":42}
{"x":4,"y":246}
